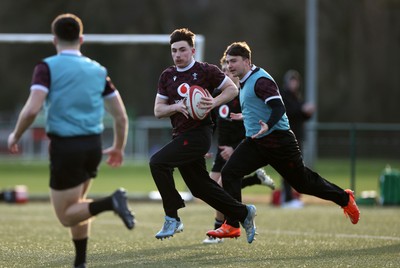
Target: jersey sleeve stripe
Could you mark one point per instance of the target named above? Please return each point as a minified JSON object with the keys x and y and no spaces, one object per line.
{"x":272,"y":98}
{"x":111,"y":95}
{"x":39,"y":87}
{"x":162,"y":96}
{"x":223,"y":82}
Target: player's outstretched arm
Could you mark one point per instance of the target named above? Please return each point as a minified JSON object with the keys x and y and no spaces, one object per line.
{"x":116,"y":108}
{"x":26,"y":117}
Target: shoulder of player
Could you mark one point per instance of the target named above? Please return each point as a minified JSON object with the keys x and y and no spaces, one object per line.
{"x":169,"y":70}
{"x":42,"y":64}
{"x":266,"y":82}
{"x":206,"y":65}
{"x":83,"y":57}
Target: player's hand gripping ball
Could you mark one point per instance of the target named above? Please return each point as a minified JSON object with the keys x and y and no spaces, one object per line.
{"x":192,"y":102}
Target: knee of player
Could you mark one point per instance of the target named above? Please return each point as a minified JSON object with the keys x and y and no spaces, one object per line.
{"x":153,"y":164}
{"x":301,"y":189}
{"x":66,"y":222}
{"x":151,"y":161}
{"x":159,"y":167}
{"x":155,"y":161}
{"x":196,"y":193}
{"x":226,"y":177}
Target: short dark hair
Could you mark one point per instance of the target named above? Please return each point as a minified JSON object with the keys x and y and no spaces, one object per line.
{"x":182,"y":34}
{"x":238,"y":49}
{"x":67,"y":27}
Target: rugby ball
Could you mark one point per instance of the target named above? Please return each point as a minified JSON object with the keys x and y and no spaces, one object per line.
{"x":192,"y":102}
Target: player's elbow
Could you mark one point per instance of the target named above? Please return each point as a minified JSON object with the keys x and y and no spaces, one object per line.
{"x":232,"y":92}
{"x":158,"y":113}
{"x":121,"y":119}
{"x":235,"y":91}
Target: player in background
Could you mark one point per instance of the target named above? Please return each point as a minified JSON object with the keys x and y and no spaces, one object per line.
{"x":74,"y":90}
{"x":191,"y":139}
{"x":298,"y":111}
{"x":269,"y":141}
{"x":230,"y":134}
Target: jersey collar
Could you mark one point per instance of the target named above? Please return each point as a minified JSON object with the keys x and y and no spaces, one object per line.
{"x":187,"y":67}
{"x":253,"y":67}
{"x":71,"y":52}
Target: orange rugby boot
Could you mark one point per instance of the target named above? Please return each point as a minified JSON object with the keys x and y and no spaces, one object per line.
{"x":351,"y":210}
{"x":225,"y":231}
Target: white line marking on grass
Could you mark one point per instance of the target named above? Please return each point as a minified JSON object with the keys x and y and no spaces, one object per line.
{"x":378,"y":237}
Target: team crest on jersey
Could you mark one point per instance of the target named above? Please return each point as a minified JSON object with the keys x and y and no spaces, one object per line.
{"x":223,"y":111}
{"x":183,"y":89}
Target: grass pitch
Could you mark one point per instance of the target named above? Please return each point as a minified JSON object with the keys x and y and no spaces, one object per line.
{"x":316,"y":236}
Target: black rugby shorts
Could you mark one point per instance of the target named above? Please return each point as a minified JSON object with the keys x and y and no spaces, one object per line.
{"x":73,"y":160}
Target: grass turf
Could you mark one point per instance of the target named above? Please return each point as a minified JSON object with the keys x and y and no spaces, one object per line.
{"x":136,"y":177}
{"x":316,"y":236}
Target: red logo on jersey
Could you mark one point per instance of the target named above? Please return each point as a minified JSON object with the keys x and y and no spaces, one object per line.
{"x":223,"y":111}
{"x":183,"y":89}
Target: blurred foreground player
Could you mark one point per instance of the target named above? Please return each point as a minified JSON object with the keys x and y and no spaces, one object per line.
{"x":74,"y":90}
{"x":269,"y":141}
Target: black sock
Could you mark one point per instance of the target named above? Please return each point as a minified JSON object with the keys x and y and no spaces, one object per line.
{"x":233,"y":223}
{"x":218,"y":224}
{"x":80,"y":251}
{"x":99,"y":206}
{"x":173,"y":214}
{"x":250,"y":180}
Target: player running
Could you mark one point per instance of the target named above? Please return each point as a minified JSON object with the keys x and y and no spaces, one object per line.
{"x":191,"y":138}
{"x":269,"y":141}
{"x":74,"y":90}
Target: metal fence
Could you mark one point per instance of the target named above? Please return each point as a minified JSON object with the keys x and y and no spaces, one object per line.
{"x":148,"y":134}
{"x":353,"y":141}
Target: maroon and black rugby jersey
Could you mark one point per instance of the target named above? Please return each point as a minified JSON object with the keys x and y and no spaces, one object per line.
{"x":173,"y":86}
{"x":230,"y":132}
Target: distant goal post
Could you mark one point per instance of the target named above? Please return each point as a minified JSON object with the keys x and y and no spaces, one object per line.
{"x":106,"y":39}
{"x":140,"y":146}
